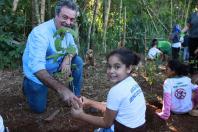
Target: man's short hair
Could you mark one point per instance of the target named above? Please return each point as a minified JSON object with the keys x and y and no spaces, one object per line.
{"x":71,"y":4}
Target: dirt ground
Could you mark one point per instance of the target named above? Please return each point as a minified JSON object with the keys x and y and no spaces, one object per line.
{"x":18,"y":118}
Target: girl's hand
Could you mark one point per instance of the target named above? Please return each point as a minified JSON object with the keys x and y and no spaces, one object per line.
{"x":85,"y":101}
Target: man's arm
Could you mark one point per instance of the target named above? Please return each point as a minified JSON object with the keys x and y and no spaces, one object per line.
{"x":186,"y":28}
{"x":51,"y":82}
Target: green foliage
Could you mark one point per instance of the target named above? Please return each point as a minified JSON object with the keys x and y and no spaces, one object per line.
{"x":151,"y":69}
{"x":61,"y":32}
{"x":11,"y":35}
{"x":10,"y":53}
{"x":59,"y":35}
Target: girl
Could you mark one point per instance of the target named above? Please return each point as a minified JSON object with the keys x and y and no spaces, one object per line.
{"x":125,"y":105}
{"x":177,"y":94}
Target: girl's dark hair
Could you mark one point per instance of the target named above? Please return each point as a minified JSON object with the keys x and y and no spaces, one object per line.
{"x":126,"y":56}
{"x":154,"y":42}
{"x":179,"y":68}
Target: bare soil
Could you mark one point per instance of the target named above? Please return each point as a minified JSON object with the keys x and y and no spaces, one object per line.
{"x":18,"y":118}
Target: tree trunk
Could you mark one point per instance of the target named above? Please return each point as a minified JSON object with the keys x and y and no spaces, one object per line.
{"x":34,"y":23}
{"x":92,"y":38}
{"x":48,"y":9}
{"x":187,"y":10}
{"x":124,"y":35}
{"x":106,"y":14}
{"x":120,"y":24}
{"x":92,"y":33}
{"x":35,"y":7}
{"x":88,"y":36}
{"x":171,"y":23}
{"x":42,"y":11}
{"x":15,"y":3}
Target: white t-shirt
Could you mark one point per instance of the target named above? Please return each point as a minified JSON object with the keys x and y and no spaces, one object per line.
{"x":1,"y":124}
{"x":176,"y":45}
{"x":180,"y":89}
{"x":128,"y":100}
{"x":153,"y":52}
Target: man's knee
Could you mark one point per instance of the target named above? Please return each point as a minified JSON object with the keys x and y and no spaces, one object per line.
{"x":78,"y":61}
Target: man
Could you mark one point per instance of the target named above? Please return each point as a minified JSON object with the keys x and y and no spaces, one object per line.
{"x":192,"y":28}
{"x":38,"y":69}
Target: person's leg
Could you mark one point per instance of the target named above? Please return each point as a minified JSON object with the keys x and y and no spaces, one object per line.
{"x":36,"y":95}
{"x":77,"y":73}
{"x":177,"y":50}
{"x":174,"y":53}
{"x":185,"y":54}
{"x":192,"y":59}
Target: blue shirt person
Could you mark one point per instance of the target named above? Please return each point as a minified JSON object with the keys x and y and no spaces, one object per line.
{"x":39,"y":70}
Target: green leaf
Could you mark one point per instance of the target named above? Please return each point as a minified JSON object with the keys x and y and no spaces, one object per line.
{"x":71,"y":50}
{"x":73,"y":66}
{"x":55,"y":56}
{"x":64,"y":30}
{"x":69,"y":79}
{"x":58,"y":44}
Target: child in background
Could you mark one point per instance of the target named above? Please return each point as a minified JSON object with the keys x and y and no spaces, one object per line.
{"x":175,"y":39}
{"x":177,"y":91}
{"x":154,"y":52}
{"x":125,"y":107}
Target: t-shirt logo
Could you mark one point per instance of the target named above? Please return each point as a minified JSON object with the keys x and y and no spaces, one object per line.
{"x":180,"y":93}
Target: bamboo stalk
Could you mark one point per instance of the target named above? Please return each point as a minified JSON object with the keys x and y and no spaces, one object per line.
{"x":124,"y":35}
{"x":15,"y":4}
{"x":187,"y":11}
{"x":42,"y":11}
{"x":106,"y":13}
{"x":151,"y":17}
{"x":171,"y":22}
{"x":120,"y":19}
{"x":36,"y":8}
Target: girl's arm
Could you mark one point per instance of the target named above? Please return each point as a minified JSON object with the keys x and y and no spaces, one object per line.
{"x":166,"y":106}
{"x":104,"y":122}
{"x":95,"y":104}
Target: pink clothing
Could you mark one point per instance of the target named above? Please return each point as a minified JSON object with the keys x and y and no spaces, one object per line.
{"x":166,"y":107}
{"x":177,"y":96}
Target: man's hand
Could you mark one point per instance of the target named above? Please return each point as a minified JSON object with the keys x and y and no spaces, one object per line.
{"x":196,"y":52}
{"x":77,"y":108}
{"x":66,"y":94}
{"x":66,"y":69}
{"x":66,"y":65}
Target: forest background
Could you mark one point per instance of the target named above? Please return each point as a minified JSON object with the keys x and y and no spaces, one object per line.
{"x":101,"y":24}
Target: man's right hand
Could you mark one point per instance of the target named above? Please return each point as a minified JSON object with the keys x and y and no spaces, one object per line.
{"x":50,"y":82}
